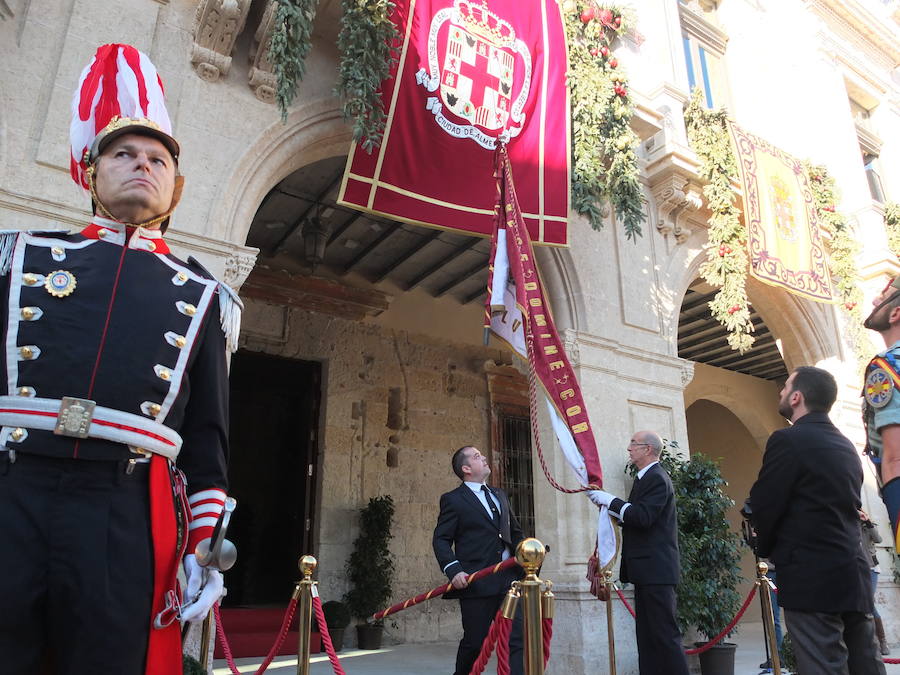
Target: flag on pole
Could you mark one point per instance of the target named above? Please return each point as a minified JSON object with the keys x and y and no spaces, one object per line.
{"x":518,"y":314}
{"x":471,"y":73}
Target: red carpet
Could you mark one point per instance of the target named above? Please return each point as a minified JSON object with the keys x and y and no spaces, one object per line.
{"x":252,"y":632}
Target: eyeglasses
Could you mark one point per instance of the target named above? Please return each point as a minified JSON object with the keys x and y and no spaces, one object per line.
{"x":632,"y":444}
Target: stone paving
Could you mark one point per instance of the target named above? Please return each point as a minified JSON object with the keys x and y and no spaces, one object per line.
{"x":437,"y":658}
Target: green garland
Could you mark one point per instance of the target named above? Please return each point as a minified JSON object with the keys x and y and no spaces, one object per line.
{"x":290,"y":45}
{"x":726,"y":251}
{"x":892,"y":225}
{"x":604,"y":163}
{"x":844,"y":250}
{"x":368,"y":43}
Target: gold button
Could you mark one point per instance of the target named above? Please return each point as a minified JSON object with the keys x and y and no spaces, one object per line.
{"x":29,"y":279}
{"x":24,"y":391}
{"x":102,"y":233}
{"x":182,"y":276}
{"x":57,"y":250}
{"x":181,"y":341}
{"x":190,"y":310}
{"x":26,"y":352}
{"x":28,"y":313}
{"x":165,"y":374}
{"x":17,"y":434}
{"x":155,"y":408}
{"x":151,"y":246}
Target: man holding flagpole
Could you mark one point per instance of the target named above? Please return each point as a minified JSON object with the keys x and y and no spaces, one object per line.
{"x":650,"y":558}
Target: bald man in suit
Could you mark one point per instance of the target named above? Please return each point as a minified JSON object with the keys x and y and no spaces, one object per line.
{"x":650,"y":557}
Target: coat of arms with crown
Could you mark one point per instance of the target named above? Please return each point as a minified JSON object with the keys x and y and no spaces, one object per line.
{"x":473,"y":58}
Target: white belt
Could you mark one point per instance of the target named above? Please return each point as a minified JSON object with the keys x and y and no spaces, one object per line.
{"x":80,"y":419}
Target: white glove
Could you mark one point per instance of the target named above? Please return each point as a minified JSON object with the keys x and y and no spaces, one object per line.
{"x":207,"y":582}
{"x":600,"y":498}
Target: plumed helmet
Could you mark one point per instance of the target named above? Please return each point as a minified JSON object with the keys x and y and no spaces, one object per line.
{"x":119,"y":93}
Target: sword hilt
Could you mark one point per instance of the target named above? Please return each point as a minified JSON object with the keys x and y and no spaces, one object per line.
{"x":217,"y":551}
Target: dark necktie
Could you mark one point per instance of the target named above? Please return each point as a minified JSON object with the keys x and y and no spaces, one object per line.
{"x":494,"y":512}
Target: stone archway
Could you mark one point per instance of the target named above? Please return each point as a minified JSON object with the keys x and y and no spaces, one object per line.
{"x":562,"y":286}
{"x":808,"y":331}
{"x":717,"y":430}
{"x":312,"y":132}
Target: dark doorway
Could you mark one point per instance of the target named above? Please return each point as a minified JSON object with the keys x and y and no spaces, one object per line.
{"x":273,"y":437}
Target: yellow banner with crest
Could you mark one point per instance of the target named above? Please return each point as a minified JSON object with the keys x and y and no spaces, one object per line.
{"x":784,"y":241}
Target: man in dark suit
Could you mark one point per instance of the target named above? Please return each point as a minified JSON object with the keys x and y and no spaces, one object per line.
{"x":806,"y":514}
{"x":477,"y":529}
{"x":650,"y":557}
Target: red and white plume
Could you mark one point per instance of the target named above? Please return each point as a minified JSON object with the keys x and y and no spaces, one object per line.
{"x":120,"y":81}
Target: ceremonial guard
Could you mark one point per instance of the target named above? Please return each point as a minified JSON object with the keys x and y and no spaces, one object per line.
{"x":115,"y":411}
{"x":881,"y":409}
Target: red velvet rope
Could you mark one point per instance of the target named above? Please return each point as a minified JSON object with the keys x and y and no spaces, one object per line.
{"x":503,"y":646}
{"x":625,"y":602}
{"x":891,"y":660}
{"x":440,"y":590}
{"x":487,"y":647}
{"x":709,"y":645}
{"x":547,"y":633}
{"x":282,"y":634}
{"x":326,"y":636}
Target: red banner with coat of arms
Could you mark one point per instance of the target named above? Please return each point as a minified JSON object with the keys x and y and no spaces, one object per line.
{"x":471,"y":73}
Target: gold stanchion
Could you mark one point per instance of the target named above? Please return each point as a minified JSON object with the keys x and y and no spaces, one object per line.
{"x":548,"y":601}
{"x":764,"y":585}
{"x":205,"y":641}
{"x":610,"y":632}
{"x":303,"y":593}
{"x":530,"y":555}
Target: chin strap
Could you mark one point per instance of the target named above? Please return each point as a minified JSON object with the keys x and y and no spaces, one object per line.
{"x":162,"y":220}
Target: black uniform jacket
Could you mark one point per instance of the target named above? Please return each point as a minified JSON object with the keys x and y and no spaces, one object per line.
{"x":467,"y":536}
{"x":139,"y":332}
{"x":805,"y":509}
{"x":650,"y":531}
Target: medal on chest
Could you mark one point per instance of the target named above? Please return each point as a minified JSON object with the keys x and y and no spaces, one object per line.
{"x":60,"y":283}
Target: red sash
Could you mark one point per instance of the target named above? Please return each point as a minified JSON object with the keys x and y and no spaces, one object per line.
{"x":164,"y":644}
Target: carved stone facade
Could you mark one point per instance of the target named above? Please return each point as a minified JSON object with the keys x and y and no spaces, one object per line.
{"x":217,"y":25}
{"x":238,"y":267}
{"x":262,"y":79}
{"x":675,"y":196}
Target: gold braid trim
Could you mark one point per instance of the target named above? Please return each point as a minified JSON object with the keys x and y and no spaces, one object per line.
{"x":147,"y":224}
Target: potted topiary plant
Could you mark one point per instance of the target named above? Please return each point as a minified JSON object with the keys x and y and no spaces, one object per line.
{"x":710,"y":558}
{"x":337,"y":618}
{"x":371,"y":569}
